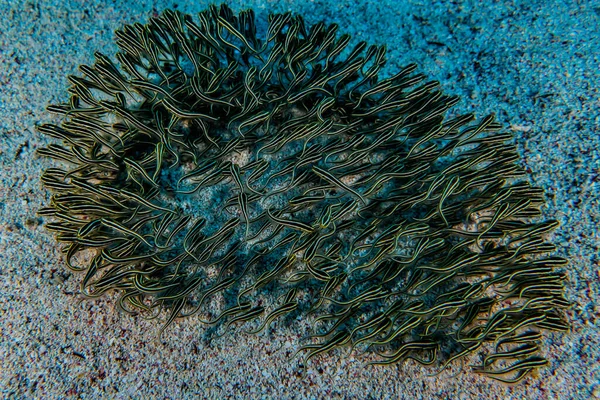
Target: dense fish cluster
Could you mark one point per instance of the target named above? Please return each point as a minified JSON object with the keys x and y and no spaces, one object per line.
{"x":245,"y":177}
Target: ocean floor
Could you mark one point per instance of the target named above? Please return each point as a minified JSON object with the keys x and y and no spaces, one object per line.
{"x":535,"y":64}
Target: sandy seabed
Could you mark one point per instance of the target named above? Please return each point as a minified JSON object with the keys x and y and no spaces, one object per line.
{"x":535,"y":64}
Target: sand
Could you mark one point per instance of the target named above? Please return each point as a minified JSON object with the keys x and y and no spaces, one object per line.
{"x":535,"y":64}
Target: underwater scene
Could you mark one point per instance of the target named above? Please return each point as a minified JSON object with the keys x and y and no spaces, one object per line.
{"x":300,"y":199}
